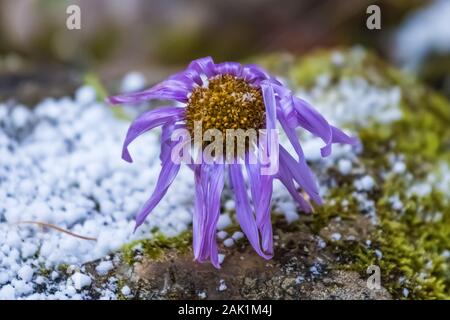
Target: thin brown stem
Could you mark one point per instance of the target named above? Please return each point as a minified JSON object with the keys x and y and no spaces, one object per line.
{"x":52,"y":226}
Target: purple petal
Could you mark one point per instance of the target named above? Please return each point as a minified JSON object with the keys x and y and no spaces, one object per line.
{"x":150,"y":120}
{"x":244,"y":212}
{"x":308,"y":179}
{"x":231,"y":68}
{"x":271,"y":106}
{"x":314,"y":122}
{"x":301,"y":173}
{"x":209,"y":181}
{"x":203,"y":66}
{"x":188,"y":76}
{"x":291,"y":134}
{"x":261,"y":189}
{"x":255,"y":74}
{"x":285,"y":177}
{"x":168,"y":173}
{"x":340,"y":137}
{"x":166,"y":138}
{"x":176,"y":88}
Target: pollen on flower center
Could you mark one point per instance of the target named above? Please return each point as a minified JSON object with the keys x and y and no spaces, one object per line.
{"x":226,"y":103}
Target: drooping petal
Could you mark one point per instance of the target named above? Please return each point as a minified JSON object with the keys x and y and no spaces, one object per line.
{"x":315,"y":123}
{"x":301,"y":173}
{"x":340,"y":137}
{"x":166,"y":137}
{"x":261,"y":187}
{"x":147,"y":121}
{"x":209,"y":181}
{"x":271,"y":106}
{"x":199,"y":217}
{"x":188,"y":76}
{"x":244,"y":212}
{"x":291,"y":135}
{"x":168,"y":173}
{"x":165,"y":140}
{"x":298,"y":112}
{"x":285,"y":177}
{"x":175,"y":88}
{"x":308,"y":177}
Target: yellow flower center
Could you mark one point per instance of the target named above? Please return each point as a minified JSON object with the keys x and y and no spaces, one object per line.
{"x":226,"y":103}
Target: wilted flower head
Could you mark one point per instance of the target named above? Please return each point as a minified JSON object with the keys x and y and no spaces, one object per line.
{"x":228,"y":96}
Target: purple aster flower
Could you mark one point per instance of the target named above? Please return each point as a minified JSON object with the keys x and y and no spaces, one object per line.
{"x":231,"y":96}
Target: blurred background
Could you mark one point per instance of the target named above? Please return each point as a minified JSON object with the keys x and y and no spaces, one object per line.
{"x":40,"y":56}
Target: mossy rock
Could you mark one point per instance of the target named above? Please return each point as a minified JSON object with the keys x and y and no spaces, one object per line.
{"x":409,"y":242}
{"x":414,"y":241}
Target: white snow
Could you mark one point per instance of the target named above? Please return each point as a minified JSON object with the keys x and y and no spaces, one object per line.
{"x":222,"y":234}
{"x":81,"y":281}
{"x":61,"y":164}
{"x":321,"y":243}
{"x":224,"y":221}
{"x":229,"y":242}
{"x":366,"y":183}
{"x":85,"y":95}
{"x":396,"y":203}
{"x":7,"y":292}
{"x":222,"y":285}
{"x":25,"y":273}
{"x":20,"y":116}
{"x":345,"y":166}
{"x":299,"y":279}
{"x":354,"y":101}
{"x":405,"y":292}
{"x":423,"y":32}
{"x":104,"y":267}
{"x":399,"y":167}
{"x":126,"y":291}
{"x":336,"y":236}
{"x":133,"y":81}
{"x":379,"y":254}
{"x":229,"y":205}
{"x":237,"y":235}
{"x":438,"y":179}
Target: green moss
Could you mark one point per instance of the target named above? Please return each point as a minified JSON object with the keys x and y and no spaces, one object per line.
{"x":411,"y":243}
{"x":63,"y":267}
{"x":45,"y":272}
{"x":120,"y":284}
{"x":156,"y":247}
